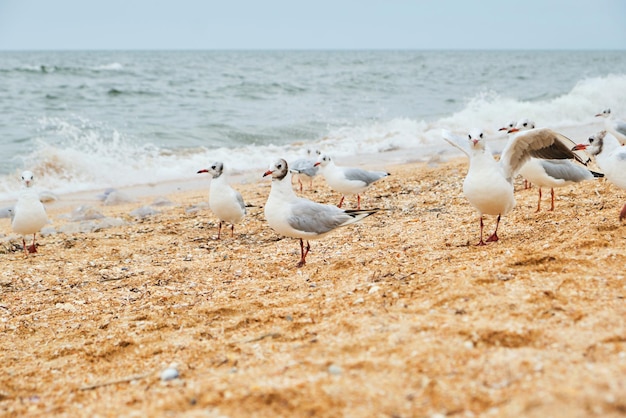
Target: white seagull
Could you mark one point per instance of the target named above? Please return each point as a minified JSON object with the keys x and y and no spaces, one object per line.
{"x":614,"y":126}
{"x":347,"y":180}
{"x":552,"y":173}
{"x":29,"y":214}
{"x":297,"y":217}
{"x":225,"y":202}
{"x":610,"y":157}
{"x":488,"y":184}
{"x":305,"y":167}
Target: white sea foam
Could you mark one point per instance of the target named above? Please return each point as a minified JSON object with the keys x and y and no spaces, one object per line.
{"x":82,"y":155}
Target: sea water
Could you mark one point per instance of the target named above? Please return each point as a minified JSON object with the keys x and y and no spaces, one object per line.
{"x":86,"y":121}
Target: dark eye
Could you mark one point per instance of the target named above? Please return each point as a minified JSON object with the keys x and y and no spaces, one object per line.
{"x":525,"y":124}
{"x":481,"y":135}
{"x":469,"y":137}
{"x":591,"y":140}
{"x":213,"y":167}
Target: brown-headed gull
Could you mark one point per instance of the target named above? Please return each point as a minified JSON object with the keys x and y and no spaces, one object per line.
{"x":29,"y":214}
{"x":552,"y":173}
{"x":305,"y":167}
{"x":297,"y":217}
{"x":610,"y":157}
{"x":615,"y":126}
{"x":347,"y":180}
{"x":488,"y":184}
{"x":225,"y":202}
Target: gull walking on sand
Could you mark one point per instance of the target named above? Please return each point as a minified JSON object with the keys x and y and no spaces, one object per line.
{"x":305,"y":167}
{"x":488,"y":184}
{"x":29,"y":214}
{"x":610,"y":157}
{"x":225,"y":202}
{"x":347,"y":180}
{"x":614,"y":126}
{"x":297,"y":217}
{"x":552,"y":173}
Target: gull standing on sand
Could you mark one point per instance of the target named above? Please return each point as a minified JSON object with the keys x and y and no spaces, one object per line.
{"x":29,"y":214}
{"x":305,"y":167}
{"x":611,"y":158}
{"x":488,"y":184}
{"x":552,"y":173}
{"x":297,"y":217}
{"x":347,"y":180}
{"x":614,"y":126}
{"x":225,"y":202}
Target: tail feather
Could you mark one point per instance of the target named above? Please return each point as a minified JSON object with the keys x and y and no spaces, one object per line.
{"x":362,"y":213}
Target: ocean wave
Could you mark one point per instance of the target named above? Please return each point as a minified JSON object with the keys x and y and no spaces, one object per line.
{"x":62,"y":69}
{"x":77,"y":154}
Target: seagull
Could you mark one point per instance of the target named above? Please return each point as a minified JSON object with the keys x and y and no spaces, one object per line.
{"x":305,"y":167}
{"x":29,"y":214}
{"x":552,"y":173}
{"x":611,"y":158}
{"x":347,"y":181}
{"x":225,"y":202}
{"x":488,"y":184}
{"x":614,"y":126}
{"x":297,"y":217}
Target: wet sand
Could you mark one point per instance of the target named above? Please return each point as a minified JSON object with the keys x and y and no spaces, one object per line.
{"x":400,"y":315}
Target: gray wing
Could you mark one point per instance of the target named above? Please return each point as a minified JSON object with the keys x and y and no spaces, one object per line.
{"x":304,"y":166}
{"x":316,"y":218}
{"x":367,"y":177}
{"x":456,"y":141}
{"x":566,"y":170}
{"x":538,"y":143}
{"x":242,"y":204}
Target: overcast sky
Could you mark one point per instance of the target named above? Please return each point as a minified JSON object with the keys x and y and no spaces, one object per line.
{"x":313,"y":24}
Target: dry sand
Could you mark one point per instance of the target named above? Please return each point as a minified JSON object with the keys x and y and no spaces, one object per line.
{"x":397,"y":316}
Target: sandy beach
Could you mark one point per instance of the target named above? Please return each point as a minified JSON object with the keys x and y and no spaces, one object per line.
{"x":400,"y":315}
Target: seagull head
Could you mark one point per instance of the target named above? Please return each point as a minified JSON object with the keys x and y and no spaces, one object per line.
{"x":28,"y":178}
{"x":477,"y":139}
{"x":604,"y":114}
{"x":523,"y":125}
{"x":278,"y":170}
{"x":508,"y":127}
{"x":594,"y":147}
{"x":216,"y":169}
{"x":323,"y":160}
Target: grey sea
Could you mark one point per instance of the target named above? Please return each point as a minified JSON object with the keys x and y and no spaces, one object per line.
{"x":91,"y":120}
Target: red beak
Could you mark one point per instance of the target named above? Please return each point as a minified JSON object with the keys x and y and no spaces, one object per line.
{"x":204,"y":170}
{"x":599,"y":114}
{"x":316,"y":164}
{"x":579,"y":147}
{"x":267,"y":173}
{"x":513,"y":130}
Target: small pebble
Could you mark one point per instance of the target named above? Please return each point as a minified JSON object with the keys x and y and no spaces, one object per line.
{"x":169,"y":374}
{"x":334,"y":369}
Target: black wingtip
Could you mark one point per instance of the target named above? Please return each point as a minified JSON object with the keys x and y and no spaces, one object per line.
{"x":596,"y":174}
